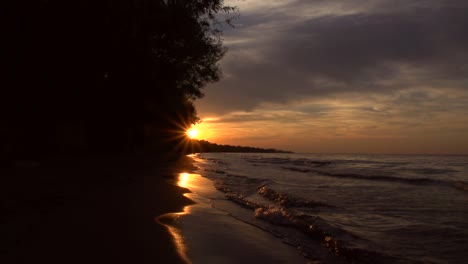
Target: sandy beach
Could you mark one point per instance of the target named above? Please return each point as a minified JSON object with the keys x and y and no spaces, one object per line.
{"x":206,"y":233}
{"x":90,"y":210}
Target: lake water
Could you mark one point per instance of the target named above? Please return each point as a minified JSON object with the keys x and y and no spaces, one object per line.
{"x":358,"y":208}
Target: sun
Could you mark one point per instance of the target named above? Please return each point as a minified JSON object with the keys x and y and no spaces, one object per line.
{"x":192,"y":133}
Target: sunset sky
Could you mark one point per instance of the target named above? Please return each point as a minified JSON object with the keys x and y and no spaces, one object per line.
{"x":381,"y":76}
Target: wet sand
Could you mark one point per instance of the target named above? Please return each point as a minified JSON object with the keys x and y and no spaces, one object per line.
{"x":90,"y":210}
{"x":205,"y":234}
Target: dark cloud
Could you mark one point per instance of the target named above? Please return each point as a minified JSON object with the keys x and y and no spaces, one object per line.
{"x":284,"y":117}
{"x":381,"y":47}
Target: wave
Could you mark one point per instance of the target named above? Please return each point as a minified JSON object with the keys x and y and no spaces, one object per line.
{"x":460,"y":185}
{"x":268,"y":160}
{"x":297,"y":169}
{"x":430,"y":171}
{"x":218,"y":171}
{"x":417,"y":181}
{"x":288,"y":200}
{"x":315,"y":163}
{"x":299,"y":162}
{"x":214,"y":160}
{"x":340,"y":242}
{"x":308,"y":163}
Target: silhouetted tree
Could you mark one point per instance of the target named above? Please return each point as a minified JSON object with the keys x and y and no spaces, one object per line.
{"x":105,"y":75}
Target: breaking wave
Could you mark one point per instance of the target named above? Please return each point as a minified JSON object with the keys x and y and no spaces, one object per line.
{"x":281,"y":212}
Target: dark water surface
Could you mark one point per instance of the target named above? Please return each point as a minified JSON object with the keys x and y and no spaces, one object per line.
{"x":363,"y":208}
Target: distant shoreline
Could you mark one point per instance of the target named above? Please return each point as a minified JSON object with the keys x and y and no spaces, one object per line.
{"x":203,"y":146}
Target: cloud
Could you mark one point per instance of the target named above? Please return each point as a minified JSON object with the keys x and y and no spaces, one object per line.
{"x":295,"y":50}
{"x":413,"y":119}
{"x":344,"y":76}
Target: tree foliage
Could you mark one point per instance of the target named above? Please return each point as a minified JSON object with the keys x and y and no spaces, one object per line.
{"x":106,"y":75}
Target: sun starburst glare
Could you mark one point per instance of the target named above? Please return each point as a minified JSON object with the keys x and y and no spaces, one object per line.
{"x":192,"y":133}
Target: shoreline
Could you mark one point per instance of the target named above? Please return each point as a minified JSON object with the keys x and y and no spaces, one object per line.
{"x":98,"y":209}
{"x":206,"y":233}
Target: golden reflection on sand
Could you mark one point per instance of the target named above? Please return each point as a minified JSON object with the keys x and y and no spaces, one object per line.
{"x":188,"y":180}
{"x":167,"y":220}
{"x":183,"y":180}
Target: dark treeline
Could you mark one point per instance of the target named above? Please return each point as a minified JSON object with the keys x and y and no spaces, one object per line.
{"x":104,"y":76}
{"x":200,"y":146}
